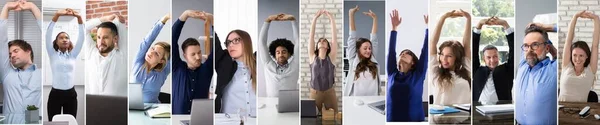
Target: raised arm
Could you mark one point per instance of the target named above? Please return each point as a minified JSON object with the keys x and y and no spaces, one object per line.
{"x":595,"y":39}
{"x":208,"y":22}
{"x":80,"y":36}
{"x":149,"y":39}
{"x":4,"y":56}
{"x":467,"y":35}
{"x":570,"y":35}
{"x":8,"y":7}
{"x":391,"y":60}
{"x":311,"y":39}
{"x":436,"y":33}
{"x":351,"y":49}
{"x":31,"y":7}
{"x":334,"y":44}
{"x":373,"y":35}
{"x":263,"y":46}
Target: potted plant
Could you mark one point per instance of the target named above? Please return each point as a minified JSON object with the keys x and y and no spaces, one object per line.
{"x":32,"y":114}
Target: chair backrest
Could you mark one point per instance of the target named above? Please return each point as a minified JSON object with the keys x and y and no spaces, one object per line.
{"x":592,"y":97}
{"x":65,"y":117}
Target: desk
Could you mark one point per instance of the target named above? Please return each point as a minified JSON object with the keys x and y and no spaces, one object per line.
{"x":361,"y":114}
{"x":504,"y":119}
{"x":56,"y":123}
{"x":569,"y":113}
{"x":138,"y":117}
{"x":219,"y":118}
{"x":269,"y":115}
{"x":462,"y":117}
{"x":17,"y":118}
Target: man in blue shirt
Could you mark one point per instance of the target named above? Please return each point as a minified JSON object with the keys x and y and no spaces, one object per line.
{"x":535,"y":91}
{"x":192,"y":78}
{"x":20,"y":78}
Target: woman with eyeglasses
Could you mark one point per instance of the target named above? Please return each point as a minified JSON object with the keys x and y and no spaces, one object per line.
{"x":579,"y":64}
{"x":363,"y":78}
{"x":450,"y":75}
{"x":321,"y":56}
{"x":63,"y":56}
{"x":236,"y":75}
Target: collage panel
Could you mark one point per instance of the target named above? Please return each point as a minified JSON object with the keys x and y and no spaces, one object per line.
{"x":449,"y":73}
{"x":493,"y":61}
{"x":21,"y":65}
{"x":193,"y":62}
{"x":406,"y":29}
{"x":64,"y":38}
{"x":278,"y":62}
{"x":579,"y":36}
{"x":105,"y":59}
{"x":322,"y":66}
{"x":235,"y":61}
{"x":149,"y":62}
{"x":363,"y":89}
{"x":535,"y":88}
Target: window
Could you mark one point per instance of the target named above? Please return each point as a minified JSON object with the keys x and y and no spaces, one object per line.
{"x":492,"y":34}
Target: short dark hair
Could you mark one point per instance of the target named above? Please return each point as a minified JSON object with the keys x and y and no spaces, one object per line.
{"x":536,"y":29}
{"x":489,"y":47}
{"x":281,"y":42}
{"x":55,"y":45}
{"x":22,"y":44}
{"x":189,"y":42}
{"x":110,"y":25}
{"x":584,"y":46}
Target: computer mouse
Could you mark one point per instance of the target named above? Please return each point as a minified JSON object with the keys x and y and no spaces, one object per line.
{"x":359,"y":102}
{"x":261,"y":106}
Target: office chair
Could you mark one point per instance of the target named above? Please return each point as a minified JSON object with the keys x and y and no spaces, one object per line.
{"x":164,"y":97}
{"x":65,"y":117}
{"x":592,"y":97}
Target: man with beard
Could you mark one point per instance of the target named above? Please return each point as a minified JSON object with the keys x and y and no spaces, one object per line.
{"x":492,"y":82}
{"x":106,"y":56}
{"x":281,"y":72}
{"x":535,"y":91}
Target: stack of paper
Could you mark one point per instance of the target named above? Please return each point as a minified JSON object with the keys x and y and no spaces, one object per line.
{"x":492,"y":109}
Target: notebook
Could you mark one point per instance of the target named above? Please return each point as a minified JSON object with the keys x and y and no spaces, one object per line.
{"x":446,"y":110}
{"x":159,"y":112}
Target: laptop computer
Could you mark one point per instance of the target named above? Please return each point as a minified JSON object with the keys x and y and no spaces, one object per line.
{"x":378,"y":106}
{"x":202,"y":113}
{"x":288,"y":101}
{"x":309,"y":108}
{"x":106,"y":110}
{"x":136,"y":99}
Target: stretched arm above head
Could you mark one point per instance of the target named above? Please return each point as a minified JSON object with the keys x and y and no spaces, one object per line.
{"x":263,"y":46}
{"x":146,"y":44}
{"x":351,"y":49}
{"x":311,"y":39}
{"x":570,"y":36}
{"x":31,"y":7}
{"x":334,"y":44}
{"x":467,"y":35}
{"x":391,"y":59}
{"x":373,"y":35}
{"x":436,"y":32}
{"x":595,"y":39}
{"x":208,"y":22}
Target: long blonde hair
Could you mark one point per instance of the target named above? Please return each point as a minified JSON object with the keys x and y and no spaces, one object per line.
{"x":249,"y":58}
{"x":161,"y":66}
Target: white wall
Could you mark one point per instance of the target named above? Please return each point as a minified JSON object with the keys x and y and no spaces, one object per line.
{"x":526,"y":10}
{"x":142,"y":16}
{"x":69,"y":25}
{"x":411,"y":32}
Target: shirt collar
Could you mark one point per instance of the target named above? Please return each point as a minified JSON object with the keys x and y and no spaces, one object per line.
{"x":31,"y":68}
{"x":542,"y":63}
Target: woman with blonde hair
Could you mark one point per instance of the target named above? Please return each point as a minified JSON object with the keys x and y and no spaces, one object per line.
{"x":152,"y":64}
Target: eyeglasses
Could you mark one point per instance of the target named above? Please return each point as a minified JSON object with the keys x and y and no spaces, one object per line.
{"x":235,"y":41}
{"x":533,"y":46}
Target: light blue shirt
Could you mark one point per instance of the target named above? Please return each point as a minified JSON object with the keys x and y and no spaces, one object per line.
{"x":21,"y":87}
{"x":151,"y":81}
{"x":239,"y":93}
{"x":535,"y":93}
{"x":63,"y":63}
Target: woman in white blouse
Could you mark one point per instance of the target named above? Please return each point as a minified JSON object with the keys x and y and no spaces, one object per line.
{"x":363,"y":78}
{"x":63,"y":55}
{"x":579,"y":64}
{"x":450,"y":77}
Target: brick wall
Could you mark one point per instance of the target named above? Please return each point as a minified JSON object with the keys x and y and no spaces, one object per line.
{"x":308,"y":8}
{"x":583,"y":29}
{"x":98,"y":8}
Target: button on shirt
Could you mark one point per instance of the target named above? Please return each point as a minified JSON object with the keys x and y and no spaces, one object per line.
{"x":279,"y":77}
{"x":151,"y":81}
{"x":239,"y":93}
{"x":21,"y":87}
{"x":535,"y":93}
{"x":63,"y":63}
{"x":106,"y":75}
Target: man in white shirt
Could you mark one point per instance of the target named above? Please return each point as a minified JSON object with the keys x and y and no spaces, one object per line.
{"x":106,"y":57}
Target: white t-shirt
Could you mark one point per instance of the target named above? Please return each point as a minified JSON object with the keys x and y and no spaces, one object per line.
{"x":458,"y":93}
{"x":575,"y":88}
